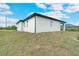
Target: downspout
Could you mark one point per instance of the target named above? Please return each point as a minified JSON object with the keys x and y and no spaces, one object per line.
{"x":35,"y":23}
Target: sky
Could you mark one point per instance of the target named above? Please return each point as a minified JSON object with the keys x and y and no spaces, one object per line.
{"x":13,"y":12}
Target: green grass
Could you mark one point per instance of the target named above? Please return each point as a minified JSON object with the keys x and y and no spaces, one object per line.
{"x":14,"y":43}
{"x":72,"y":29}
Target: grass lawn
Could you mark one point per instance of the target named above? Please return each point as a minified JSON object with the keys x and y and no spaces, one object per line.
{"x":72,"y":29}
{"x":54,"y":43}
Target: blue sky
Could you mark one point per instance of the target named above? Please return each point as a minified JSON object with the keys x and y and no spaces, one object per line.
{"x":21,"y":10}
{"x":68,"y":12}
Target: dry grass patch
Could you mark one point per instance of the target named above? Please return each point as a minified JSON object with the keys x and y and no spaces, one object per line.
{"x":44,"y":44}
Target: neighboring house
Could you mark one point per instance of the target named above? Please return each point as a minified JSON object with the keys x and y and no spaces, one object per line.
{"x":36,"y":23}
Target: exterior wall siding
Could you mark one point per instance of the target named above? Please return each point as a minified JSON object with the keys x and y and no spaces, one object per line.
{"x":30,"y":25}
{"x":38,"y":24}
{"x":20,"y":26}
{"x":44,"y":25}
{"x":55,"y":26}
{"x":25,"y":26}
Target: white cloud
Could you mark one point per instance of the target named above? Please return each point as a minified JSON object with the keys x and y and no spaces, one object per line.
{"x":5,"y":9}
{"x":74,"y":4}
{"x":3,"y":25}
{"x":52,"y":6}
{"x":4,"y":6}
{"x":11,"y":20}
{"x":75,"y":23}
{"x":72,"y":8}
{"x":56,"y":14}
{"x":6,"y":12}
{"x":56,"y":6}
{"x":41,"y":5}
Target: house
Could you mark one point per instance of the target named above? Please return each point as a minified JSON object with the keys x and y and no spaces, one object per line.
{"x":36,"y":23}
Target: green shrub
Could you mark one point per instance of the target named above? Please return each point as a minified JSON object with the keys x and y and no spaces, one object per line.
{"x":8,"y":28}
{"x":72,"y":29}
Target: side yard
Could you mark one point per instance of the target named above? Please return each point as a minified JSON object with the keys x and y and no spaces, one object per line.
{"x":51,"y":43}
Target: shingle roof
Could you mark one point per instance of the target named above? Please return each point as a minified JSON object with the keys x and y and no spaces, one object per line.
{"x":36,"y":14}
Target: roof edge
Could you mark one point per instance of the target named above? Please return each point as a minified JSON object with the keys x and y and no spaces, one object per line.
{"x":20,"y":21}
{"x":49,"y":17}
{"x":34,"y":14}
